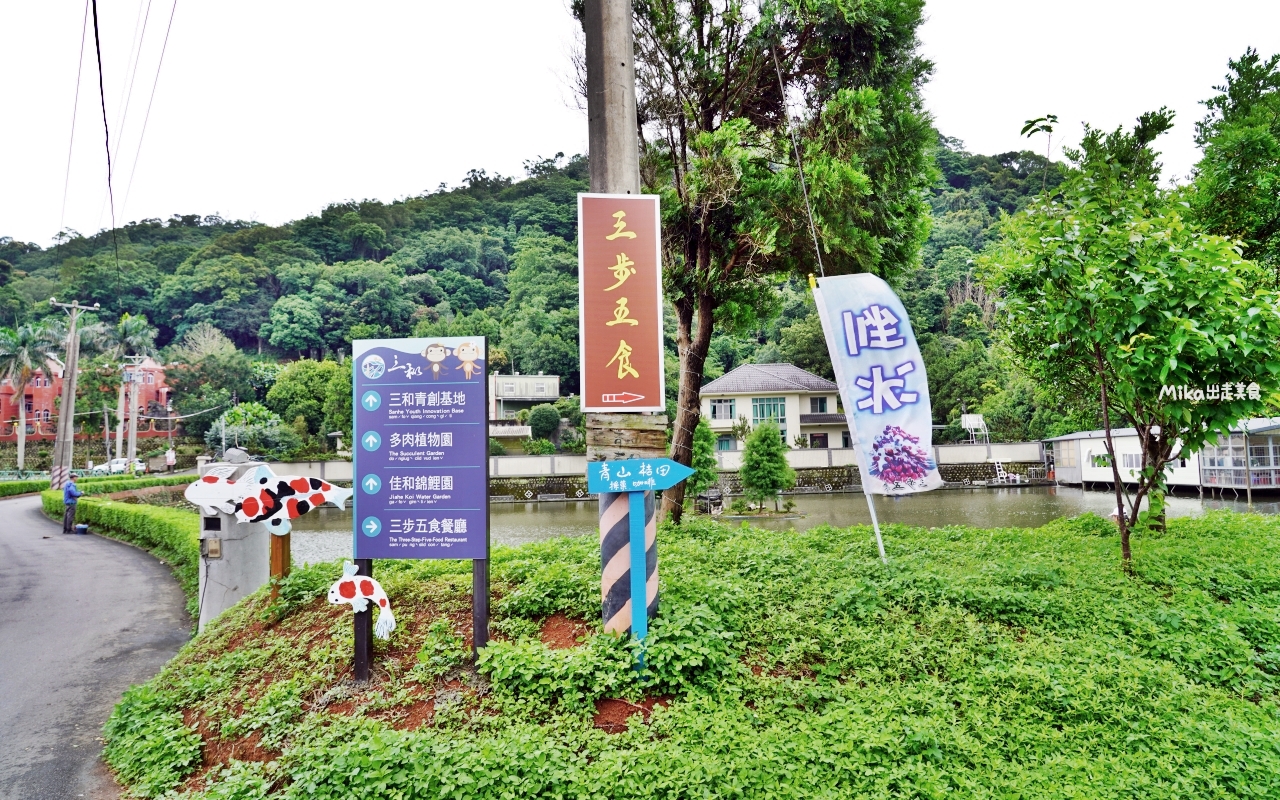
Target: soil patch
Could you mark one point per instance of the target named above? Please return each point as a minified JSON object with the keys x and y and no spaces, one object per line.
{"x":611,"y":715}
{"x":561,"y":633}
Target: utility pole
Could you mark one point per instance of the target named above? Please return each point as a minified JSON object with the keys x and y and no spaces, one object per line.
{"x":612,"y":132}
{"x":63,"y":445}
{"x":135,"y":378}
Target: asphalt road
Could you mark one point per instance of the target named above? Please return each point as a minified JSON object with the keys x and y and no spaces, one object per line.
{"x":82,"y":618}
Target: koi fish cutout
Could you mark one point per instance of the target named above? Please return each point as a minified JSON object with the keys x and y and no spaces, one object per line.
{"x":359,"y":591}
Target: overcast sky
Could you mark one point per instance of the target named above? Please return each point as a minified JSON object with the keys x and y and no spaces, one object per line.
{"x":270,"y":111}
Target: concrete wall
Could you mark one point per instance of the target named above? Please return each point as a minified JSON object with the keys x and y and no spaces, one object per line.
{"x":324,"y":470}
{"x":984,"y":453}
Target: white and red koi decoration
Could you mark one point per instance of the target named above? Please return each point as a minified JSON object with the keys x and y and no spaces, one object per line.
{"x":262,"y":496}
{"x":359,"y":590}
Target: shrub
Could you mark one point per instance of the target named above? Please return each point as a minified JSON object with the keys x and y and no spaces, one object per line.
{"x":496,"y":448}
{"x":539,"y":447}
{"x":544,"y":421}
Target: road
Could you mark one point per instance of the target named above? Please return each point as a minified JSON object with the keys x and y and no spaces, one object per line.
{"x":82,"y":618}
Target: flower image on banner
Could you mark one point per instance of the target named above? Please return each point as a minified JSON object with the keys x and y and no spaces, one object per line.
{"x":882,"y":383}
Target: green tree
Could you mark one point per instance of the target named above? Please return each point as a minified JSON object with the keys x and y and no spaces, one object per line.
{"x":294,"y":325}
{"x":1111,"y":293}
{"x":544,"y":421}
{"x":705,"y":469}
{"x":1237,"y":185}
{"x":337,"y":402}
{"x":765,"y":471}
{"x":719,"y":151}
{"x":300,"y":390}
{"x":804,"y":345}
{"x":23,"y":350}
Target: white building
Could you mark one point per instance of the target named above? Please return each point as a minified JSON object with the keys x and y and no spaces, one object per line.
{"x":510,"y":393}
{"x":803,"y":404}
{"x":1081,"y":458}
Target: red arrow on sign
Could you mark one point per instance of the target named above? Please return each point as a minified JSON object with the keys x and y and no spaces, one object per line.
{"x":624,"y":397}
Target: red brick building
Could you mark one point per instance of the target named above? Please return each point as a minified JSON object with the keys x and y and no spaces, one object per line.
{"x":41,"y":393}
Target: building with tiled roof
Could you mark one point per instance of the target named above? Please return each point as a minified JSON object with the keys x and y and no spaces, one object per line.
{"x":805,"y":406}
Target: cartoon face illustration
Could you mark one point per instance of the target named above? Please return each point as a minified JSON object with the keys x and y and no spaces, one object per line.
{"x":435,"y":353}
{"x":468,"y":354}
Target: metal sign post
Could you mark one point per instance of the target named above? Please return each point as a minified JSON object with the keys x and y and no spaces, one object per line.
{"x":421,"y":460}
{"x":628,"y":537}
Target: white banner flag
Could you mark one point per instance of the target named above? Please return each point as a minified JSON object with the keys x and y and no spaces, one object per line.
{"x":882,"y":383}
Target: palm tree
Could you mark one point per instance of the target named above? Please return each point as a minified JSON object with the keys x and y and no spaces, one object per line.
{"x":23,"y":350}
{"x":131,"y":336}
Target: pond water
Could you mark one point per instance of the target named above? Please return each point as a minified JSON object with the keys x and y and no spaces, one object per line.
{"x":325,"y":534}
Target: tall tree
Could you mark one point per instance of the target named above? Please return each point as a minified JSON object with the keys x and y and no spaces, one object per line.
{"x":23,"y":350}
{"x":1237,"y":186}
{"x":1110,"y":293}
{"x":765,"y":472}
{"x":717,"y":83}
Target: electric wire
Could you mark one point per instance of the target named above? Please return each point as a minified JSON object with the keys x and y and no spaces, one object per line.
{"x":75,"y":107}
{"x":135,"y":48}
{"x":156,"y":82}
{"x":795,"y":144}
{"x":106,"y":132}
{"x":128,"y":99}
{"x":133,"y":77}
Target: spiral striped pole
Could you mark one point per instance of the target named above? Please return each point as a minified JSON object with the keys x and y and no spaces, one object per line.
{"x":629,"y":561}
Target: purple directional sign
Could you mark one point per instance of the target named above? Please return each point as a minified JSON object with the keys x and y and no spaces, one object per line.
{"x":421,"y":453}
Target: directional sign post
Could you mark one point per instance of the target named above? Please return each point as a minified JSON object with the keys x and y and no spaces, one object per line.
{"x":628,"y":537}
{"x":422,"y":456}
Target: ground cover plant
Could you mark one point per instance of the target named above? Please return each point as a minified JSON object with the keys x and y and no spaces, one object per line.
{"x":978,"y":663}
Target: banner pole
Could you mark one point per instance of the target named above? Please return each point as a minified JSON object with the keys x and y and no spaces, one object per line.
{"x":876,"y":525}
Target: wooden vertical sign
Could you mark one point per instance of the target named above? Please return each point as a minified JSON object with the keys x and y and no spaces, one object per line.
{"x":620,"y":303}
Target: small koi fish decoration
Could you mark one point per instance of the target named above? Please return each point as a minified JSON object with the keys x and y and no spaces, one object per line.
{"x":358,"y":590}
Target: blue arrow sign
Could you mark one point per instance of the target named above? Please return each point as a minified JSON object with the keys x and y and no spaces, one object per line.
{"x":371,"y":400}
{"x":635,"y":475}
{"x":371,"y":484}
{"x":371,"y":441}
{"x":371,"y":526}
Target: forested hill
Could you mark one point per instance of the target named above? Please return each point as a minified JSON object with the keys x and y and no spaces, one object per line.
{"x":496,"y":256}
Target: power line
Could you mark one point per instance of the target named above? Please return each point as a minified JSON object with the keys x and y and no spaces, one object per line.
{"x":106,"y":132}
{"x":795,"y":145}
{"x":75,"y":107}
{"x":133,"y":170}
{"x":128,"y":97}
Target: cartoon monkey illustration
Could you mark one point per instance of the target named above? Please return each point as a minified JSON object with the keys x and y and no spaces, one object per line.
{"x":435,"y":353}
{"x":468,"y":354}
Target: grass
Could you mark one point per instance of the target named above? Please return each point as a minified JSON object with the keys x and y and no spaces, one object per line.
{"x":1007,"y":663}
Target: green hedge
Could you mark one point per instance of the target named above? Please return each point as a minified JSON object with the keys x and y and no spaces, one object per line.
{"x":99,"y":485}
{"x":105,"y":486}
{"x":170,"y":534}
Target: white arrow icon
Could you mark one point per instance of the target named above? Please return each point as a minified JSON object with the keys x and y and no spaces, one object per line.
{"x":371,"y":484}
{"x":371,"y":526}
{"x":371,"y":440}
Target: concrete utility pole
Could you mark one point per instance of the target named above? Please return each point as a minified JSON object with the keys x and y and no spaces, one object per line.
{"x":64,"y":442}
{"x":132,"y":370}
{"x":612,"y":132}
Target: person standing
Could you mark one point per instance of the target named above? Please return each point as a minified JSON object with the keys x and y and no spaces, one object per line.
{"x":70,"y":493}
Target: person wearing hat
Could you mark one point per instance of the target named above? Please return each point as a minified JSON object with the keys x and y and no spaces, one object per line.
{"x":70,"y":493}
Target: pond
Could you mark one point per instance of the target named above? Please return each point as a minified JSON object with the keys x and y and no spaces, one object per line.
{"x":325,"y":534}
